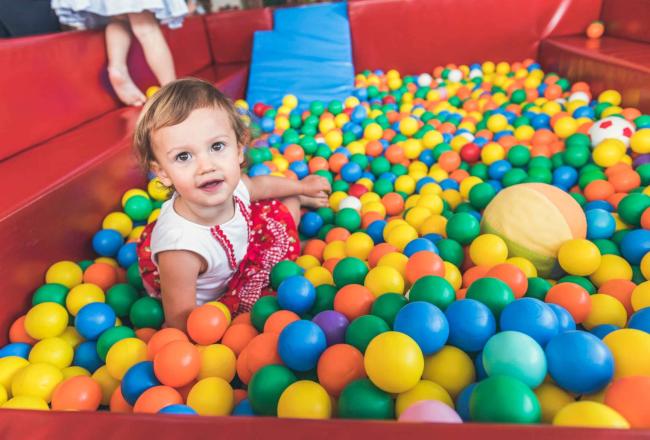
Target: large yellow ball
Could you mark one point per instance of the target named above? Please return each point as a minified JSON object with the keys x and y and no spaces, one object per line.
{"x":359,"y":245}
{"x":124,"y":354}
{"x":488,"y":250}
{"x":82,"y":295}
{"x":119,"y":222}
{"x":589,"y":414}
{"x":394,"y":362}
{"x":46,"y":320}
{"x":605,"y":309}
{"x":402,"y":235}
{"x":26,"y":402}
{"x":36,"y":380}
{"x":106,"y":382}
{"x":67,"y":273}
{"x":305,"y":399}
{"x":450,"y":368}
{"x":217,"y":360}
{"x":384,"y":279}
{"x":157,"y":190}
{"x":631,"y":351}
{"x":212,"y":396}
{"x":579,"y":257}
{"x":552,"y":399}
{"x":53,"y":351}
{"x":640,"y":141}
{"x":9,"y":366}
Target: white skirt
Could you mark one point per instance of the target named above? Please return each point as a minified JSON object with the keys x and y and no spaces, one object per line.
{"x":91,"y":14}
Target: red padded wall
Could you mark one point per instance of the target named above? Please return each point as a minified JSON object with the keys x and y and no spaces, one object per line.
{"x":627,"y":19}
{"x":414,"y":36}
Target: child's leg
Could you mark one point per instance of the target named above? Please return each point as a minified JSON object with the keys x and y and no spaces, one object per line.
{"x":293,"y":205}
{"x":118,"y":41}
{"x":146,"y":29}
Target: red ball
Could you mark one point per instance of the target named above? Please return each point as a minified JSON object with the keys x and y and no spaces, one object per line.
{"x":470,"y":153}
{"x":259,"y":109}
{"x":357,"y":190}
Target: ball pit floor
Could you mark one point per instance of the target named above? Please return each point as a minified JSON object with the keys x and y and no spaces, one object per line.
{"x":415,"y":285}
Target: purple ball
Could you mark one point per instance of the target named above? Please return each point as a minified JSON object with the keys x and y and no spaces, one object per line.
{"x":333,"y":325}
{"x":640,"y":160}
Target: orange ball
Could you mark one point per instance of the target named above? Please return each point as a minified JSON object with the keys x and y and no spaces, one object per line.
{"x":553,"y":91}
{"x":337,"y":234}
{"x":645,"y":219}
{"x":424,"y":263}
{"x":145,"y":333}
{"x":177,"y":363}
{"x":331,"y":264}
{"x":461,"y":294}
{"x":162,"y":338}
{"x":101,"y":274}
{"x":78,"y":393}
{"x":118,"y":403}
{"x":354,"y":300}
{"x":238,"y":336}
{"x":572,"y":297}
{"x":625,"y":181}
{"x":393,"y":202}
{"x":336,"y":162}
{"x":395,"y":154}
{"x":512,"y":276}
{"x":379,"y":251}
{"x":374,"y":148}
{"x":474,"y":273}
{"x":317,"y":163}
{"x":449,"y":161}
{"x":294,"y":153}
{"x":206,"y":324}
{"x":598,"y":190}
{"x":630,"y":396}
{"x":156,"y":398}
{"x":339,"y":365}
{"x":17,"y":332}
{"x":369,"y":217}
{"x":279,"y":320}
{"x":242,"y":318}
{"x":263,"y":351}
{"x":314,"y":247}
{"x":243,"y":372}
{"x":621,"y":290}
{"x":595,"y":30}
{"x":239,"y":395}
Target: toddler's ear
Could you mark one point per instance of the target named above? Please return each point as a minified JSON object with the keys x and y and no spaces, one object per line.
{"x":160,"y":173}
{"x":241,"y":155}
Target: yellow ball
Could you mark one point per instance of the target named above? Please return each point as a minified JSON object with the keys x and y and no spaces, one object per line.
{"x":641,"y":295}
{"x":423,"y":390}
{"x":124,"y":354}
{"x":640,"y":141}
{"x":396,"y":260}
{"x":224,"y":309}
{"x":217,"y":360}
{"x":74,"y":371}
{"x":417,"y":216}
{"x":319,"y":276}
{"x":492,"y":152}
{"x":106,"y":382}
{"x":53,"y":351}
{"x":394,"y":362}
{"x":307,"y":261}
{"x":4,"y":395}
{"x":526,"y":266}
{"x":377,"y":207}
{"x":83,"y":294}
{"x":384,"y":279}
{"x":467,"y":184}
{"x":157,"y":190}
{"x":412,"y":148}
{"x":450,"y":368}
{"x":305,"y":399}
{"x":609,"y":152}
{"x":373,"y":131}
{"x":118,"y":221}
{"x":108,"y":260}
{"x":334,"y":139}
{"x":137,"y":231}
{"x":401,"y":236}
{"x":46,"y":320}
{"x":488,"y":250}
{"x":336,"y":198}
{"x":610,"y":96}
{"x":435,"y":224}
{"x":497,"y":123}
{"x":432,"y":138}
{"x":212,"y":396}
{"x":242,"y":104}
{"x":611,"y":267}
{"x":67,"y":273}
{"x":589,"y":414}
{"x":26,"y":402}
{"x":359,"y":245}
{"x":452,"y":197}
{"x":453,"y":275}
{"x":290,"y":101}
{"x":334,"y":249}
{"x":432,"y":202}
{"x":631,"y":351}
{"x":524,"y":132}
{"x":36,"y":380}
{"x":133,"y":192}
{"x":151,"y":91}
{"x":9,"y":366}
{"x":579,"y":257}
{"x":605,"y":309}
{"x":281,"y":163}
{"x":405,"y":184}
{"x":552,"y":399}
{"x":565,"y":127}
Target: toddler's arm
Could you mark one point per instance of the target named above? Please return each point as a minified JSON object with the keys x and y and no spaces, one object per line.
{"x":274,"y":187}
{"x":178,"y":273}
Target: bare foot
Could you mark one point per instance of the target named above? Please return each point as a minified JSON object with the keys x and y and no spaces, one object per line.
{"x":125,"y":88}
{"x":313,"y":202}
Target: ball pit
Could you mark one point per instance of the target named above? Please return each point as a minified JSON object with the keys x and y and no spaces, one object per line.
{"x":488,"y":224}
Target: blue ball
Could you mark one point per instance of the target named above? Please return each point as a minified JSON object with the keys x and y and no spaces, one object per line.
{"x":425,"y":323}
{"x":351,"y":172}
{"x":564,"y":319}
{"x":512,"y":353}
{"x":419,"y":244}
{"x":579,"y":362}
{"x":94,"y":319}
{"x":434,"y":238}
{"x":376,"y":231}
{"x":471,"y":324}
{"x":531,"y":317}
{"x":424,"y":181}
{"x":310,"y":224}
{"x":479,"y":367}
{"x":267,"y":124}
{"x":300,"y":345}
{"x":603,"y":330}
{"x":600,"y":224}
{"x":243,"y":408}
{"x":640,"y":320}
{"x":498,"y":169}
{"x":259,"y":169}
{"x":300,"y":168}
{"x":107,"y":242}
{"x":138,"y":379}
{"x":85,"y":356}
{"x":462,"y":402}
{"x":297,"y":294}
{"x":449,"y":184}
{"x":565,"y":177}
{"x":598,"y":204}
{"x":127,"y":255}
{"x":19,"y":349}
{"x":427,"y":157}
{"x":178,"y":409}
{"x":635,"y":245}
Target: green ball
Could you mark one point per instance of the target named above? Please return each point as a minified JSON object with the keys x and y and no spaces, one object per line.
{"x":644,"y":172}
{"x":133,"y":276}
{"x":361,"y":399}
{"x":577,"y":156}
{"x":363,"y":330}
{"x":317,"y":108}
{"x":518,"y":96}
{"x":138,"y":208}
{"x":51,"y":292}
{"x":451,"y":251}
{"x":335,"y":107}
{"x":110,"y":337}
{"x":539,"y":175}
{"x":254,"y":156}
{"x":580,"y":281}
{"x":463,"y":228}
{"x":325,"y":294}
{"x":262,"y":309}
{"x":578,"y":198}
{"x":578,"y":140}
{"x":147,"y":312}
{"x":518,"y":155}
{"x":642,"y":121}
{"x":480,"y":170}
{"x":85,"y":264}
{"x":323,"y":151}
{"x":387,"y":306}
{"x":349,"y":270}
{"x":514,"y":176}
{"x":399,"y":170}
{"x":327,"y":214}
{"x":283,"y":270}
{"x":606,"y":247}
{"x":637,"y":275}
{"x":494,"y":293}
{"x":632,"y":206}
{"x":480,"y":195}
{"x":537,"y":288}
{"x":326,"y":174}
{"x":295,"y":121}
{"x":382,"y":187}
{"x":348,"y":218}
{"x":504,"y":399}
{"x":360,"y":159}
{"x":266,"y":387}
{"x":433,"y":289}
{"x":588,"y":177}
{"x":379,"y":166}
{"x":340,"y":185}
{"x":121,"y":298}
{"x":309,"y":144}
{"x":324,"y":230}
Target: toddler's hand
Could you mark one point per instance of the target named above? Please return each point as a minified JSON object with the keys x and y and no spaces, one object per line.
{"x":315,"y":186}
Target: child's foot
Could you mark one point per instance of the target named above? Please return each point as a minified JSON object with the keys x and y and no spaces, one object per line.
{"x":313,"y":202}
{"x":125,"y":88}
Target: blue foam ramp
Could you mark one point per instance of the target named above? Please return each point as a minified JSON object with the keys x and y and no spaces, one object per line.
{"x":328,"y":21}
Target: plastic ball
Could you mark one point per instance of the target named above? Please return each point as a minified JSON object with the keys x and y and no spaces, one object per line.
{"x":178,"y":409}
{"x":488,"y":250}
{"x":450,"y":368}
{"x":552,"y":399}
{"x":589,"y":414}
{"x":81,"y":295}
{"x":384,"y":279}
{"x":310,"y":224}
{"x":36,"y":380}
{"x":80,"y":393}
{"x":423,"y":390}
{"x":266,"y":387}
{"x":517,"y":355}
{"x":361,"y":399}
{"x":492,"y":292}
{"x":579,"y":257}
{"x":339,"y":365}
{"x":631,"y":351}
{"x":394,"y":362}
{"x":93,"y":319}
{"x":19,"y":349}
{"x":433,"y":289}
{"x":86,"y":356}
{"x":635,"y":245}
{"x":432,"y":411}
{"x":363,"y":329}
{"x":107,"y":242}
{"x":463,"y":228}
{"x":425,"y":323}
{"x":305,"y":399}
{"x":110,"y":337}
{"x":66,"y":273}
{"x":147,"y":312}
{"x":53,"y":351}
{"x":471,"y":324}
{"x":349,"y":270}
{"x":600,"y":224}
{"x":46,"y":320}
{"x":504,"y":399}
{"x":423,"y":263}
{"x":121,"y":297}
{"x":50,"y":293}
{"x":206,"y":324}
{"x":300,"y":345}
{"x":629,"y":397}
{"x":26,"y":402}
{"x":531,"y":317}
{"x":177,"y":363}
{"x":611,"y":127}
{"x":297,"y":294}
{"x":605,"y":309}
{"x":333,"y":324}
{"x":123,"y":355}
{"x":212,"y":396}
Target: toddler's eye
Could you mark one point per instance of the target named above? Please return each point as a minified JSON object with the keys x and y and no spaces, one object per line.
{"x":218,"y":146}
{"x":183,"y":157}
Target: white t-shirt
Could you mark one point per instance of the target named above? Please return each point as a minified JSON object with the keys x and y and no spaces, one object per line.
{"x":173,"y":232}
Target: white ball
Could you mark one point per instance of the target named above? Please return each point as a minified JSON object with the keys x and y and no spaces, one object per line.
{"x":475,"y":73}
{"x":579,"y":96}
{"x":611,"y":127}
{"x":468,"y":136}
{"x":455,"y":75}
{"x":350,"y":202}
{"x":425,"y":80}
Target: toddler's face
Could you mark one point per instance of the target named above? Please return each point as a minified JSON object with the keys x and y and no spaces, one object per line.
{"x":200,"y":157}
